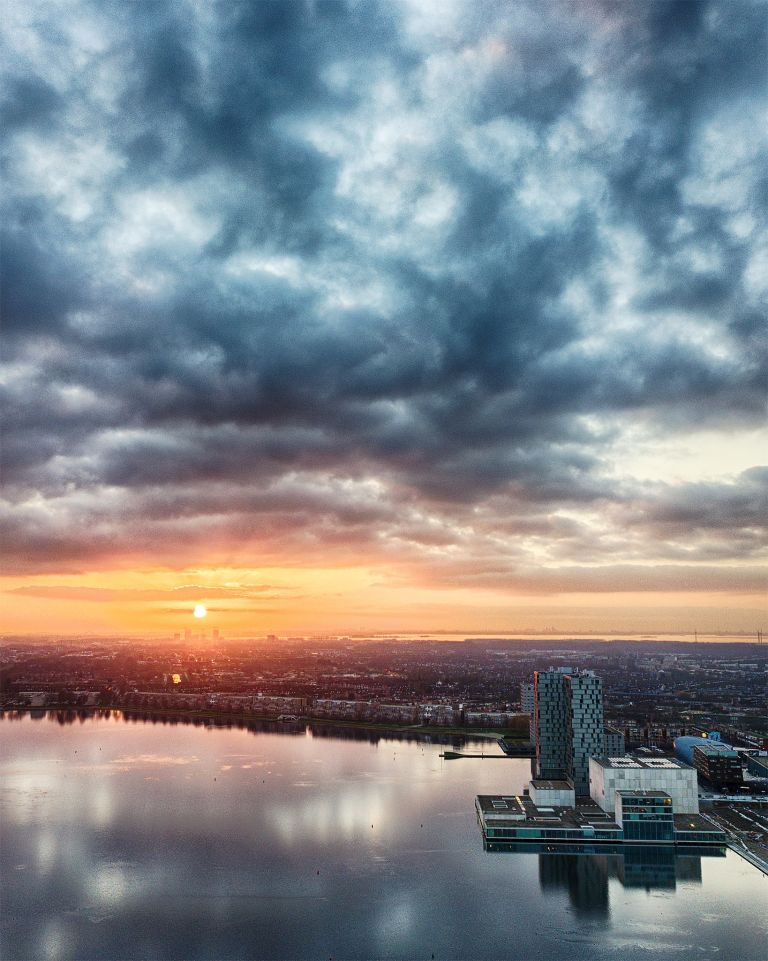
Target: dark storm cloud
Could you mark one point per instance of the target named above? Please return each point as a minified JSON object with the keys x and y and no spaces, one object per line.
{"x":259,"y":256}
{"x":691,"y":509}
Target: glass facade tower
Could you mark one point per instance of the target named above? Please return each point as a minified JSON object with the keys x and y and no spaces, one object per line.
{"x":569,"y":724}
{"x":585,"y":734}
{"x":551,"y":724}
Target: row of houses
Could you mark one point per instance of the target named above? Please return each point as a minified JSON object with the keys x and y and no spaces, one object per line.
{"x":268,"y":705}
{"x":437,"y":714}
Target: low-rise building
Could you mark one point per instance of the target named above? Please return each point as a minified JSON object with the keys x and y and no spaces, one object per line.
{"x":610,"y":774}
{"x":718,"y":764}
{"x":546,"y":793}
{"x":757,"y":765}
{"x":491,"y":718}
{"x":34,"y":698}
{"x":640,"y":817}
{"x":684,"y":746}
{"x":645,"y":815}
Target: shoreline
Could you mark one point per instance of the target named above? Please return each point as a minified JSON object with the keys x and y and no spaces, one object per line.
{"x":378,"y":727}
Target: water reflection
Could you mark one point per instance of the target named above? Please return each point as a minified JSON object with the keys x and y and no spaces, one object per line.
{"x":584,"y":878}
{"x":584,"y":871}
{"x":124,"y":838}
{"x":318,"y":729}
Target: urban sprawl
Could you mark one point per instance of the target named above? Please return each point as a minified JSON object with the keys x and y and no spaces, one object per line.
{"x":630,"y":741}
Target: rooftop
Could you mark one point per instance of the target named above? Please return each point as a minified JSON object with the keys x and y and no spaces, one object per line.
{"x":542,"y":784}
{"x":495,"y":804}
{"x":712,"y":748}
{"x":694,"y":822}
{"x":649,"y":763}
{"x":584,"y":815}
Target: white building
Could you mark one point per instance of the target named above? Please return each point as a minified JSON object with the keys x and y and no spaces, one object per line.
{"x":607,"y":775}
{"x":554,"y":794}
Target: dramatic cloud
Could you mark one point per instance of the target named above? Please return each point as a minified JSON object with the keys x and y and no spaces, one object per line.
{"x":292,"y":283}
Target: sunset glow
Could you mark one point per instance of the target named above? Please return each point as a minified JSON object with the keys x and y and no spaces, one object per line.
{"x":426,"y":320}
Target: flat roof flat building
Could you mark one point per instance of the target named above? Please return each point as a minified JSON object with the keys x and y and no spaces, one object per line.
{"x":645,"y":815}
{"x":685,"y":744}
{"x":719,"y":764}
{"x":558,"y":794}
{"x":641,"y":817}
{"x":608,"y":775}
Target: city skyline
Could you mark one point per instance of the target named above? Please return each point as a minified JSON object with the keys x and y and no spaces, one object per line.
{"x":401,"y":317}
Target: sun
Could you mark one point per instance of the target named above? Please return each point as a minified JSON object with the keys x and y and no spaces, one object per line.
{"x":199,"y":610}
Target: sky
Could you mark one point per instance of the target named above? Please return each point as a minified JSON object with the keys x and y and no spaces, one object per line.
{"x":400,"y":316}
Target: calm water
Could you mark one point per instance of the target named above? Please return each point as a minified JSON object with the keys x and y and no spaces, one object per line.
{"x":124,"y":840}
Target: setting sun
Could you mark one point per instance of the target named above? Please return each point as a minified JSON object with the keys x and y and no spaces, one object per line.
{"x":199,"y":610}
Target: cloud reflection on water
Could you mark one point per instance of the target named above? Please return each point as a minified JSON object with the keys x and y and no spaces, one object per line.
{"x":252,"y":865}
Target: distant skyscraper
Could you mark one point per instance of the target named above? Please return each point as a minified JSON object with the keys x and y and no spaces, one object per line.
{"x":216,"y":634}
{"x":187,"y":634}
{"x":568,"y":722}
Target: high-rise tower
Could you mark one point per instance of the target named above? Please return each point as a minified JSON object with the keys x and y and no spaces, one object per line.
{"x":550,"y":722}
{"x":569,"y":724}
{"x":584,"y":709}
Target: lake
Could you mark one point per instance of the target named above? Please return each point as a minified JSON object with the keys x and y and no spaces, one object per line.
{"x":126,"y":839}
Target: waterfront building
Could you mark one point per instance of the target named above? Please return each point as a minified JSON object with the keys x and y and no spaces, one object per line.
{"x":512,"y":819}
{"x":638,"y":816}
{"x":551,"y":723}
{"x":645,"y":815}
{"x":568,"y":718}
{"x":585,"y":731}
{"x":493,"y":719}
{"x":719,"y":764}
{"x":607,"y":775}
{"x":552,"y":793}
